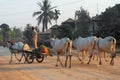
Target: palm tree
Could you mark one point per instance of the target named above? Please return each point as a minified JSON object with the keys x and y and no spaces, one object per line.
{"x":56,"y":15}
{"x":45,"y":15}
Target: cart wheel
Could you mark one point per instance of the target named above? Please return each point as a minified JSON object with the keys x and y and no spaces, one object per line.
{"x":30,"y":58}
{"x":40,"y":57}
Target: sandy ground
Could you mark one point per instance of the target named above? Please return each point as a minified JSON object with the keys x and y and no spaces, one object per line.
{"x":47,"y":70}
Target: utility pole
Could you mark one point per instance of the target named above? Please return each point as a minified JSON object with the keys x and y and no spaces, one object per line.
{"x":97,"y":9}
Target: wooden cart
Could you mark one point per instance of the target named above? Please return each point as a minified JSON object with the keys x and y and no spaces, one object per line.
{"x":34,"y":54}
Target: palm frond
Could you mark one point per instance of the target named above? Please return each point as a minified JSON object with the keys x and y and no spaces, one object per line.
{"x":49,"y":20}
{"x":37,"y":13}
{"x":40,"y":4}
{"x":51,"y":14}
{"x":52,"y":7}
{"x":40,"y":18}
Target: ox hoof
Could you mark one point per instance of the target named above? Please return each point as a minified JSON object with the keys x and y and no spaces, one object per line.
{"x":56,"y":65}
{"x":10,"y":62}
{"x":19,"y":61}
{"x":69,"y":67}
{"x":82,"y":62}
{"x":100,"y":63}
{"x":65,"y":66}
{"x":112,"y":63}
{"x":88,"y":63}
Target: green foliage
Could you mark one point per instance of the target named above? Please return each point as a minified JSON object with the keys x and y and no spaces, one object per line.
{"x":28,"y":34}
{"x":43,"y":46}
{"x":5,"y":32}
{"x":16,"y":34}
{"x":65,"y":30}
{"x":79,"y":26}
{"x":45,"y":15}
{"x":1,"y":37}
{"x":110,"y":22}
{"x":82,"y":22}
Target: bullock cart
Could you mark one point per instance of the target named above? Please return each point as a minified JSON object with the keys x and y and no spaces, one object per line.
{"x":26,"y":51}
{"x":34,"y":54}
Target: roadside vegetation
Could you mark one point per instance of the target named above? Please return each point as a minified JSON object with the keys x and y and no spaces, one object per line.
{"x":108,"y":24}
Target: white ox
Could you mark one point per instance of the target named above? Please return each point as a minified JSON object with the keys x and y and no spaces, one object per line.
{"x":17,"y":48}
{"x":62,"y":46}
{"x":107,"y":44}
{"x":84,"y":44}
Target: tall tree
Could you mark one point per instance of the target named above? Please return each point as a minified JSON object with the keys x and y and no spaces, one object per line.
{"x":57,"y":13}
{"x":16,"y":33}
{"x":5,"y":29}
{"x":27,"y":34}
{"x":110,"y":23}
{"x":82,"y":22}
{"x":45,"y":14}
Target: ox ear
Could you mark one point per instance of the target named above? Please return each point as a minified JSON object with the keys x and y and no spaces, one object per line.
{"x":4,"y":45}
{"x":10,"y":42}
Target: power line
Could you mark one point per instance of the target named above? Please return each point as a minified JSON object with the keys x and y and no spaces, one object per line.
{"x":18,"y":13}
{"x":70,"y":3}
{"x":65,"y":4}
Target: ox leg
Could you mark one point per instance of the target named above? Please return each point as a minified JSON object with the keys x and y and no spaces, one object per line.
{"x":112,"y":61}
{"x":70,"y":60}
{"x":58,"y":60}
{"x":105,"y":56}
{"x":69,"y":56}
{"x":90,"y":58}
{"x":83,"y":55}
{"x":11,"y":58}
{"x":66,"y":61}
{"x":100,"y":59}
{"x":21,"y":57}
{"x":95,"y":56}
{"x":61,"y":62}
{"x":79,"y":58}
{"x":16,"y":57}
{"x":25,"y":57}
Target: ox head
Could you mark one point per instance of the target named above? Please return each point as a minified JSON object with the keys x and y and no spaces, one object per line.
{"x":7,"y":44}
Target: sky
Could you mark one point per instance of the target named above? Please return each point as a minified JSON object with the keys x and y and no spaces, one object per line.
{"x":19,"y":12}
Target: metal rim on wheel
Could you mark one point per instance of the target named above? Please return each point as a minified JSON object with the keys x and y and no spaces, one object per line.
{"x":30,"y":58}
{"x":40,"y":57}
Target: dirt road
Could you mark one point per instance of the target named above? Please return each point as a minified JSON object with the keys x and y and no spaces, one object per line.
{"x":47,"y":70}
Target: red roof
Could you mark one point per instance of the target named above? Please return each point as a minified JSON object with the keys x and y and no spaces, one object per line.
{"x":48,"y":31}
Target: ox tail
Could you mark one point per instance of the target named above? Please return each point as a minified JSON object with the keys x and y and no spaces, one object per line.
{"x":69,"y":46}
{"x":113,"y":55}
{"x":113,"y":48}
{"x":114,"y":45}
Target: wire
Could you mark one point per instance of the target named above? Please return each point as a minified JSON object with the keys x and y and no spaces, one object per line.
{"x":65,"y":4}
{"x":70,"y":3}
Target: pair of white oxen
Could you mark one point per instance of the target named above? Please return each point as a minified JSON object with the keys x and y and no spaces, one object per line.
{"x":89,"y":44}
